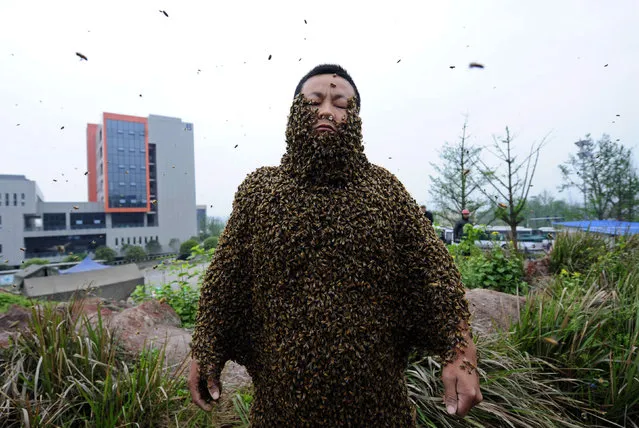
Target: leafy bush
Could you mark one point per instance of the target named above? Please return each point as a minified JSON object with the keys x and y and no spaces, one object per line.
{"x":183,"y":299}
{"x":9,"y":299}
{"x":153,"y":247}
{"x":74,"y":257}
{"x":210,"y":242}
{"x":496,"y":269}
{"x":187,"y":246}
{"x":105,"y":253}
{"x":134,"y":253}
{"x":34,"y":261}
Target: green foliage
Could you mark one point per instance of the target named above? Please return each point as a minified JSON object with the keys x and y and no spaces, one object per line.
{"x":588,"y":325}
{"x":134,"y":253}
{"x":180,"y":294}
{"x":215,"y":226}
{"x":74,"y":257}
{"x":496,"y":269}
{"x":577,"y":252}
{"x":604,"y":173}
{"x":34,"y":261}
{"x":105,"y":253}
{"x":153,"y":247}
{"x":456,"y":184}
{"x":183,"y":299}
{"x":66,"y":370}
{"x":210,"y":242}
{"x":187,"y":246}
{"x":9,"y":299}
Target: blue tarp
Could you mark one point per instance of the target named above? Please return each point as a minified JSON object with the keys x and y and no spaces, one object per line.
{"x":608,"y":227}
{"x":84,"y":266}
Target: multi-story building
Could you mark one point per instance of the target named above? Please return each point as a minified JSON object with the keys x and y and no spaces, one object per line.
{"x":141,"y":187}
{"x":200,"y":217}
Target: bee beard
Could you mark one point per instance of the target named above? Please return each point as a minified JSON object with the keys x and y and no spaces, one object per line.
{"x":323,"y":158}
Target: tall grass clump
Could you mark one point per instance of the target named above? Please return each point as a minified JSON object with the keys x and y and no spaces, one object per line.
{"x":69,"y":370}
{"x":577,"y":251}
{"x":519,"y":390}
{"x":587,"y":325}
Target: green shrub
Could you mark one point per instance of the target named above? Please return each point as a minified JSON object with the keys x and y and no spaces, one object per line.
{"x":74,"y":257}
{"x":9,"y":299}
{"x":183,"y":299}
{"x":34,"y":261}
{"x":153,"y":247}
{"x":497,"y":269}
{"x":187,"y":246}
{"x":134,"y":253}
{"x":106,"y":254}
{"x":210,"y":242}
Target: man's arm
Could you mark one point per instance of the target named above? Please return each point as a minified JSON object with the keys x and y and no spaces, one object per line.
{"x":222,"y":329}
{"x":435,"y":308}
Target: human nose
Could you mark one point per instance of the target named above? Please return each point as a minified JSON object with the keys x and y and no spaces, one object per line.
{"x":326,"y":111}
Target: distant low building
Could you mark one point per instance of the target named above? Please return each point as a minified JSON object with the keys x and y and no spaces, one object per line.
{"x":141,"y":187}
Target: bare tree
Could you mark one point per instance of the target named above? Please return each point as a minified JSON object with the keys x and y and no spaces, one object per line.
{"x":510,"y":182}
{"x":455,"y":187}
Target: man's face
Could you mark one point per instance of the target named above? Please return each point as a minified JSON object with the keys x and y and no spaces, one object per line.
{"x":329,"y":94}
{"x":465,"y":216}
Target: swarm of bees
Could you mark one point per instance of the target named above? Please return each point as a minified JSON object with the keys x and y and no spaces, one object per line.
{"x":326,"y":277}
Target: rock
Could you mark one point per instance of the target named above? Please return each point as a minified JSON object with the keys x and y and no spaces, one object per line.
{"x":14,"y":320}
{"x":491,"y":310}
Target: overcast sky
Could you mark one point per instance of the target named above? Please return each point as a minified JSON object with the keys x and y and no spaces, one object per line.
{"x":544,"y":74}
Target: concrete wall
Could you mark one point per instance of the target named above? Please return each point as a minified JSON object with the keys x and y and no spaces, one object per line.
{"x":115,"y":283}
{"x":175,"y":164}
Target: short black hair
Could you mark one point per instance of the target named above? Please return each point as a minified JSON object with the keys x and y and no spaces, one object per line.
{"x":329,"y":69}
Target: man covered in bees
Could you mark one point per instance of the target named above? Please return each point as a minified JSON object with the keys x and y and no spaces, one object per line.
{"x":326,"y":277}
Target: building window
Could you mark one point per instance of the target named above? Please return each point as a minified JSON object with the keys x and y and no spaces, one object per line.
{"x":0,"y":224}
{"x":54,"y":221}
{"x":140,"y":240}
{"x":22,"y":203}
{"x":116,"y":242}
{"x":134,"y":240}
{"x":146,"y":240}
{"x":23,"y":196}
{"x":128,"y":241}
{"x":0,"y":248}
{"x":156,"y":238}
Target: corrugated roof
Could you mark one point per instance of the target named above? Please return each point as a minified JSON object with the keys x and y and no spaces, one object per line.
{"x":608,"y":227}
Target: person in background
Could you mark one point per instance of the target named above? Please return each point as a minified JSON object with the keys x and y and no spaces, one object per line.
{"x":458,"y":231}
{"x":428,"y":214}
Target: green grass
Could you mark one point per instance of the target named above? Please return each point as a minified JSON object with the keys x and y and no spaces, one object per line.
{"x":9,"y":299}
{"x":69,"y":371}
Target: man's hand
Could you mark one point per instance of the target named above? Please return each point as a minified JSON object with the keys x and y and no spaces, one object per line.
{"x":461,"y":382}
{"x":203,"y":391}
